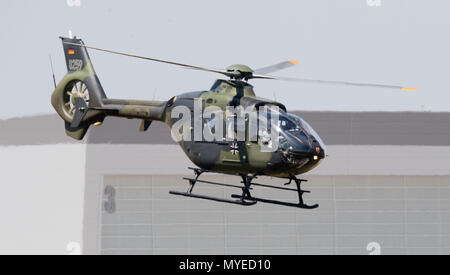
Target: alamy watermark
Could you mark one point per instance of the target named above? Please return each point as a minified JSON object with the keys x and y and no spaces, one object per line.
{"x":73,"y":248}
{"x":73,"y":3}
{"x":373,"y":3}
{"x":236,"y":123}
{"x":374,"y":248}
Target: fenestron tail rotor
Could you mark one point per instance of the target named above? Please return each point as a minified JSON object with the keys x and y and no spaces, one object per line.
{"x":76,"y":89}
{"x":243,"y":72}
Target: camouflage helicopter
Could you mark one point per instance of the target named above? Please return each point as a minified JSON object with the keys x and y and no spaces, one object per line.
{"x":80,"y":101}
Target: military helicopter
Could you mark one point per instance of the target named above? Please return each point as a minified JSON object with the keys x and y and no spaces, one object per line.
{"x":80,"y":101}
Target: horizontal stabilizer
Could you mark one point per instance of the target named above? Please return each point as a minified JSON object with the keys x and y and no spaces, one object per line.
{"x":81,"y":109}
{"x":77,"y":132}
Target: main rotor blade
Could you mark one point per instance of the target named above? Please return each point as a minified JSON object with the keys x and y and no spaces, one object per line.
{"x":259,"y":73}
{"x":276,"y":67}
{"x":346,"y":83}
{"x":154,"y":59}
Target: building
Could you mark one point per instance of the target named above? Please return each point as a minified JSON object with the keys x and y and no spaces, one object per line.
{"x":385,"y":188}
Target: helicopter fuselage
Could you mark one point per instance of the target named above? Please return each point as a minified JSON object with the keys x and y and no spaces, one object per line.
{"x":299,"y":149}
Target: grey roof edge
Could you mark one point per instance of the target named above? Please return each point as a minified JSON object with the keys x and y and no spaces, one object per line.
{"x":335,"y":127}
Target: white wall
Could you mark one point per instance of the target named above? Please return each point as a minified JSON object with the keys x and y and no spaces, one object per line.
{"x":41,"y":198}
{"x":385,"y":160}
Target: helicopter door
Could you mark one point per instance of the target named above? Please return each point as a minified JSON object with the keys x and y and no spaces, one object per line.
{"x":235,"y":150}
{"x":256,"y":156}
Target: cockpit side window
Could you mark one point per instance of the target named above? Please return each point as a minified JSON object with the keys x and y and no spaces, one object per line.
{"x":259,"y":126}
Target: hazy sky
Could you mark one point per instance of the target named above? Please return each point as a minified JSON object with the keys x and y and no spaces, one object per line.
{"x":403,"y":42}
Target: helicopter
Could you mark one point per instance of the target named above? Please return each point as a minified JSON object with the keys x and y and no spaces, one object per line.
{"x":80,"y":101}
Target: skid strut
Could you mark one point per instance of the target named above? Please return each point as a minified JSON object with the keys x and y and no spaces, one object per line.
{"x":246,"y":198}
{"x":247,"y":181}
{"x":193,"y":181}
{"x":299,"y":191}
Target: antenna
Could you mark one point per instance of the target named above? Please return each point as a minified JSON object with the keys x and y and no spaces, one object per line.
{"x":53,"y":73}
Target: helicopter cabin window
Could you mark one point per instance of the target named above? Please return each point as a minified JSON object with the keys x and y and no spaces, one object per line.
{"x":231,"y":129}
{"x":251,"y":127}
{"x":213,"y":128}
{"x":258,"y":127}
{"x":236,"y":128}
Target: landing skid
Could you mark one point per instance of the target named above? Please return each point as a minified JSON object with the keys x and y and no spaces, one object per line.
{"x":186,"y":194}
{"x":245,"y":198}
{"x":290,"y":204}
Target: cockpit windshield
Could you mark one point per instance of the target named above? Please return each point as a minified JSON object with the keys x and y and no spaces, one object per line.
{"x":286,"y":125}
{"x":292,"y":127}
{"x":308,"y":128}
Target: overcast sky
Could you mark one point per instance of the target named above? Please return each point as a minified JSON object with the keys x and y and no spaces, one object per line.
{"x":403,"y":42}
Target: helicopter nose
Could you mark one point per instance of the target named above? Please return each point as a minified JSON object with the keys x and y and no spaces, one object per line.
{"x":316,"y":153}
{"x":300,"y":155}
{"x":304,"y":150}
{"x":312,"y":150}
